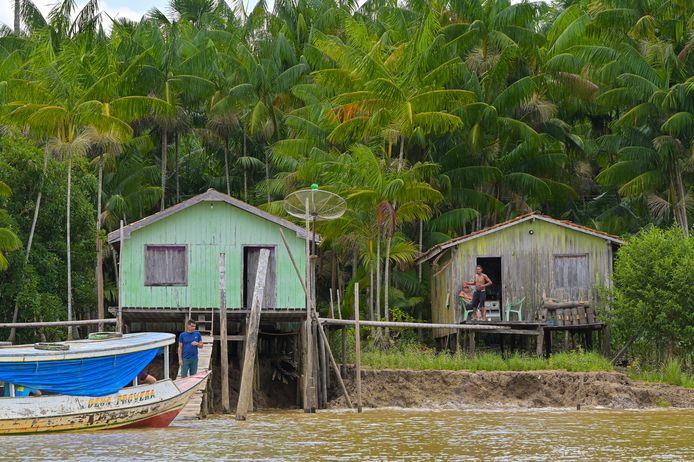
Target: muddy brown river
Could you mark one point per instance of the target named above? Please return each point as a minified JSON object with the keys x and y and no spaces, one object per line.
{"x":385,"y":434}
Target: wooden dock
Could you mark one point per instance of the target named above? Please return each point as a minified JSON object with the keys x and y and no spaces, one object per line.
{"x":195,"y":407}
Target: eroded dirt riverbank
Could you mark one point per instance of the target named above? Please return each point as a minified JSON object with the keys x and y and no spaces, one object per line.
{"x":463,"y":390}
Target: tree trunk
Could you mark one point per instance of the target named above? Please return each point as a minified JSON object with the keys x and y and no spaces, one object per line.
{"x":17,"y":15}
{"x":69,"y":252}
{"x":226,"y":164}
{"x":419,"y":246}
{"x":371,"y":295}
{"x":178,"y":189}
{"x":245,"y":174}
{"x":99,"y":248}
{"x":164,"y":148}
{"x":15,"y":314}
{"x":267,"y":175}
{"x":386,"y":312}
{"x":682,"y":202}
{"x":378,"y":279}
{"x":401,"y":158}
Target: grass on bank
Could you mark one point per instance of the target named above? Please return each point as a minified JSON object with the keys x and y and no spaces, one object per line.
{"x":672,"y":373}
{"x":417,"y":358}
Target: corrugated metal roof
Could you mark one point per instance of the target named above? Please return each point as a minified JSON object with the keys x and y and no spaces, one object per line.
{"x":435,"y":250}
{"x":210,"y":196}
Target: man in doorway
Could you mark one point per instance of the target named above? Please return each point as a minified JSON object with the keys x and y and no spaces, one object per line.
{"x":189,"y":342}
{"x":481,"y":282}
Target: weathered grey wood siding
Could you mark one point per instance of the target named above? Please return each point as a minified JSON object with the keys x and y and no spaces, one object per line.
{"x":530,"y":264}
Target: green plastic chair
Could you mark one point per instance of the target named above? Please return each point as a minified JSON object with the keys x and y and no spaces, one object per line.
{"x":467,"y":309}
{"x":514,"y":307}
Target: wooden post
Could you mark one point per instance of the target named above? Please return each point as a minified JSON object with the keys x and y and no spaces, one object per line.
{"x":339,"y":306}
{"x":540,"y":341}
{"x":323,"y":369}
{"x":119,"y":320}
{"x":223,"y":345}
{"x":343,"y":356}
{"x":471,"y":344}
{"x":120,"y":281}
{"x":167,"y":373}
{"x":246,"y":389}
{"x":334,"y":364}
{"x":357,"y":344}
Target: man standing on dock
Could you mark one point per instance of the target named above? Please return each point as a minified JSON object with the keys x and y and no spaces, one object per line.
{"x":189,"y":342}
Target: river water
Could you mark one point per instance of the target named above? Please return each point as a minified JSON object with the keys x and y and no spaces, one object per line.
{"x":384,"y":434}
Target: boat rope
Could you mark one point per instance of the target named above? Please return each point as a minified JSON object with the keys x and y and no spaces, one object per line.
{"x":51,"y":346}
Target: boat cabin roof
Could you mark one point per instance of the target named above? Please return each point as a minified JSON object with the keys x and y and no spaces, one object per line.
{"x":80,"y":349}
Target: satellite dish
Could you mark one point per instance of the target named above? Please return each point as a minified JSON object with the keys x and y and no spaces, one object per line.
{"x":314,"y":204}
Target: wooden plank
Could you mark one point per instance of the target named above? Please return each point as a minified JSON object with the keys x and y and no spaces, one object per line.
{"x":226,"y":406}
{"x":357,"y":344}
{"x":334,"y":364}
{"x":246,"y":389}
{"x":86,"y":322}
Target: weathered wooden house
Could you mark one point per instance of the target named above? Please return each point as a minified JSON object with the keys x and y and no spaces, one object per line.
{"x":524,"y":257}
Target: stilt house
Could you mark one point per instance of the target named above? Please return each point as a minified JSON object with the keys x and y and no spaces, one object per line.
{"x":524,"y":257}
{"x":170,"y":260}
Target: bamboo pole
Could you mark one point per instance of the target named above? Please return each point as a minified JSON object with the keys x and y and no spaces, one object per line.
{"x":246,"y":389}
{"x":334,"y":365}
{"x":322,"y":363}
{"x":226,"y":406}
{"x":357,"y":345}
{"x":471,"y":327}
{"x":339,"y":306}
{"x":34,"y":325}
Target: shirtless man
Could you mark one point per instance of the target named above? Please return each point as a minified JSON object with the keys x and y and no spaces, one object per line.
{"x":481,"y":282}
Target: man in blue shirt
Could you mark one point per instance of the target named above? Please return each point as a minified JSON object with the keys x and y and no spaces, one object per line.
{"x":189,"y":342}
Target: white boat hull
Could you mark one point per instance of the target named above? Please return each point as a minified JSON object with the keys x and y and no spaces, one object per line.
{"x":153,"y":405}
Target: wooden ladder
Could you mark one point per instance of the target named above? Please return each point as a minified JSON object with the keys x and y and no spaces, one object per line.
{"x":205,"y":324}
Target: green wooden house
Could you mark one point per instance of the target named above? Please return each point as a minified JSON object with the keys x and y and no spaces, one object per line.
{"x":525,"y":257}
{"x":170,"y":260}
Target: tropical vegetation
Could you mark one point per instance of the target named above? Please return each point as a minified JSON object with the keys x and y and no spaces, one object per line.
{"x":432,"y":119}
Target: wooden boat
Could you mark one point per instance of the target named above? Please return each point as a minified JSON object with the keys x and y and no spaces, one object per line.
{"x":145,"y":405}
{"x":84,"y":385}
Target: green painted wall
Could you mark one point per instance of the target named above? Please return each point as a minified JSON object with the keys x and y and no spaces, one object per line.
{"x":209,"y":228}
{"x":527,"y":265}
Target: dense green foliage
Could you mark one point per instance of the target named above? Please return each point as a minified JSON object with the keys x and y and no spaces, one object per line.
{"x":653,"y":296}
{"x":432,"y":119}
{"x":39,"y":287}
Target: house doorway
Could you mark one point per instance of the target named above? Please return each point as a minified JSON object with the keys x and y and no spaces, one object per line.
{"x":250,"y":267}
{"x":491,"y":266}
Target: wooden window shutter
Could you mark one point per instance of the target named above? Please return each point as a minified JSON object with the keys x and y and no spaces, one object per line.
{"x":166,"y":265}
{"x":571,"y":272}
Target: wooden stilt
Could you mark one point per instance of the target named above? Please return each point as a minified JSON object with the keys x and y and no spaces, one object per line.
{"x":334,"y":364}
{"x":471,"y":345}
{"x":323,"y":371}
{"x":224,"y":357}
{"x":343,"y":357}
{"x":246,"y":389}
{"x":540,"y":345}
{"x":357,"y":344}
{"x":548,"y":343}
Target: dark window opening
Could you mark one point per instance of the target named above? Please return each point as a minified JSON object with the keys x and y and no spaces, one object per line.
{"x":166,"y":265}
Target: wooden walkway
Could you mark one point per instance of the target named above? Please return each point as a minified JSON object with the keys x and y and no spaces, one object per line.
{"x":194,"y":408}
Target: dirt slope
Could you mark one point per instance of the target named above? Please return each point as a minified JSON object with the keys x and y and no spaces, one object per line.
{"x":459,"y":389}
